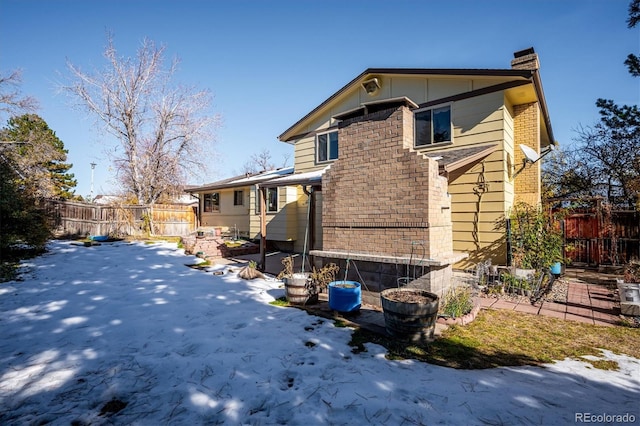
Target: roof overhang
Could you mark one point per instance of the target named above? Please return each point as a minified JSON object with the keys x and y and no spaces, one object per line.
{"x":313,"y":178}
{"x":374,"y":106}
{"x":452,"y":160}
{"x":242,"y":181}
{"x":520,"y":86}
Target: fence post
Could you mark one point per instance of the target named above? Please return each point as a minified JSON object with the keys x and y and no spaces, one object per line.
{"x":509,"y":258}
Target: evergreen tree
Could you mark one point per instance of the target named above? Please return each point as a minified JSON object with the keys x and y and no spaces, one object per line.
{"x":38,"y":157}
{"x":23,"y":223}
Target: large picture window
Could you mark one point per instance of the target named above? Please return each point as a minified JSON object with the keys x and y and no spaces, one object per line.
{"x":433,"y":126}
{"x":327,"y":147}
{"x":211,"y":202}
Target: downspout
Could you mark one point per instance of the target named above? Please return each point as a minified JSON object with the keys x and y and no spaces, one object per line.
{"x":312,"y":215}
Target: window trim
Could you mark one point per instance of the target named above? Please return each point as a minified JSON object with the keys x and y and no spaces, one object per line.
{"x":317,"y":146}
{"x":215,"y":207}
{"x":267,"y":190}
{"x":432,"y":108}
{"x":235,"y":197}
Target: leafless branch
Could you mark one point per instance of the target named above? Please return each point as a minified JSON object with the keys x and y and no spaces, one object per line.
{"x":165,"y":131}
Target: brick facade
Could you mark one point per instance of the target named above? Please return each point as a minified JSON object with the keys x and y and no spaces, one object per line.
{"x":526,"y":123}
{"x":526,"y":130}
{"x":526,"y":62}
{"x":381,"y":195}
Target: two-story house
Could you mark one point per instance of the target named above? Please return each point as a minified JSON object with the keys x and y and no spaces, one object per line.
{"x":433,"y":156}
{"x":471,"y":121}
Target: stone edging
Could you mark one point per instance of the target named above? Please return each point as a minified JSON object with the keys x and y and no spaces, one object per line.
{"x":465,"y":319}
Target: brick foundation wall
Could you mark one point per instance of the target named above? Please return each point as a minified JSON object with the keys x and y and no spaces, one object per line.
{"x":212,"y":247}
{"x":381,"y":195}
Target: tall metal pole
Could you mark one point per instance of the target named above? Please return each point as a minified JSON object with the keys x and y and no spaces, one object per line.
{"x":93,"y":166}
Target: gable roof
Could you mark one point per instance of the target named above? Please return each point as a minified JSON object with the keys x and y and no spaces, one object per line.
{"x":514,"y":78}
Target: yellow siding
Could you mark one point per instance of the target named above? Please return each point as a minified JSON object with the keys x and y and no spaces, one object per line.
{"x":509,"y":146}
{"x":481,"y":120}
{"x":229,"y":216}
{"x":301,"y":208}
{"x":441,"y":88}
{"x":416,"y":87}
{"x":282,"y":225}
{"x":305,"y":160}
{"x":347,"y":102}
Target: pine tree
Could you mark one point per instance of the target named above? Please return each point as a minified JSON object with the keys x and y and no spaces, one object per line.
{"x":38,"y":157}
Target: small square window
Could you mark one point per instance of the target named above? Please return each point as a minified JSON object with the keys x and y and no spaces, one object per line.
{"x":238,"y":198}
{"x":327,"y":147}
{"x":433,"y":126}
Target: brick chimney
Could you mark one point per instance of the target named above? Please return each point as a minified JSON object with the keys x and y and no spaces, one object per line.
{"x":526,"y":59}
{"x":380,"y":195}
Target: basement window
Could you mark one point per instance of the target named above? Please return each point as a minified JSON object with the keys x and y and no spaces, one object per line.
{"x":432,"y":126}
{"x":211,"y":202}
{"x":327,"y":147}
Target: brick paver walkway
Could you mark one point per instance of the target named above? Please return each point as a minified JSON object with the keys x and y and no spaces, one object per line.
{"x":590,"y":303}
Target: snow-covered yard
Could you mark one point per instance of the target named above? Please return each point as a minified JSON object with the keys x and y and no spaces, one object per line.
{"x":131,"y":323}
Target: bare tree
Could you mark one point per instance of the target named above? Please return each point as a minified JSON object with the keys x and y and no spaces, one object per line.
{"x":12,"y":102}
{"x":285,"y":159}
{"x":164,"y":131}
{"x":261,"y":162}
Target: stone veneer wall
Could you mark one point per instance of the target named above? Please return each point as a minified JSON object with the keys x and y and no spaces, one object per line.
{"x":381,"y":195}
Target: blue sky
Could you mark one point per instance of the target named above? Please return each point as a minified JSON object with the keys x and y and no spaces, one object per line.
{"x":268,"y":63}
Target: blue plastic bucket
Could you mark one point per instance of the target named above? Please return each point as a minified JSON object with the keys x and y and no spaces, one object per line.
{"x":556,"y":268}
{"x":345,"y":296}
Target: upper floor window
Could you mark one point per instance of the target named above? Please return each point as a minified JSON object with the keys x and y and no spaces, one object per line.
{"x":433,"y":126}
{"x":238,"y":197}
{"x":327,"y":146}
{"x":211,"y":202}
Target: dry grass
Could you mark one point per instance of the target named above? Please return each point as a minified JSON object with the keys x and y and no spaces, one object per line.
{"x":506,"y":338}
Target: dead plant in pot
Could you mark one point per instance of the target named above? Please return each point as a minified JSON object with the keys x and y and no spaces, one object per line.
{"x":250,"y":271}
{"x":323,"y":276}
{"x":298,"y":286}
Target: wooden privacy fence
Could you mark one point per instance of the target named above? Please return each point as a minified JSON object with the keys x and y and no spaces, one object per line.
{"x":596,"y":238}
{"x":72,"y":219}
